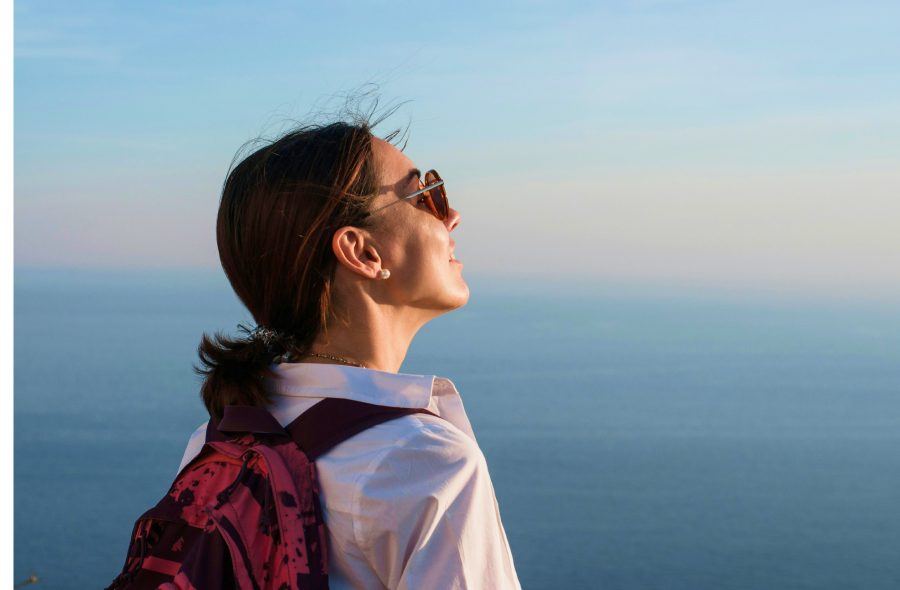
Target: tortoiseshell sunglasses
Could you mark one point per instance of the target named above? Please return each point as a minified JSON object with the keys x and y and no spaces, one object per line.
{"x":435,"y":196}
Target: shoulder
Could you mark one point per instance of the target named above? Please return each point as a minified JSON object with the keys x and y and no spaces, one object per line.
{"x":414,"y":439}
{"x":415,"y":455}
{"x":421,"y":458}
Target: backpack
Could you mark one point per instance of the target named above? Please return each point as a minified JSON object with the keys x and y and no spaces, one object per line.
{"x":245,"y":513}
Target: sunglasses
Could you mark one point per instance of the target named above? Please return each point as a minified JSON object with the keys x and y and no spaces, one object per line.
{"x":435,"y":196}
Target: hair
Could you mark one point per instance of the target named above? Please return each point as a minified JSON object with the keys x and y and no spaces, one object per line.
{"x":279,"y":210}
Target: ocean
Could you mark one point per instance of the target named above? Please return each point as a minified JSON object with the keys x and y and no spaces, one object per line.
{"x":635,"y":440}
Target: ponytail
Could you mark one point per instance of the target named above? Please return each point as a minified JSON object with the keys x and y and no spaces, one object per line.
{"x":235,"y":373}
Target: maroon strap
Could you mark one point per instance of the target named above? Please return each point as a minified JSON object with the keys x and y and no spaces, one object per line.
{"x":333,"y":420}
{"x":212,"y":432}
{"x":249,"y":419}
{"x":241,"y":419}
{"x":317,"y":430}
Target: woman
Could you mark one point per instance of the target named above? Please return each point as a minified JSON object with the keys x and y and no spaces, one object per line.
{"x":330,"y":242}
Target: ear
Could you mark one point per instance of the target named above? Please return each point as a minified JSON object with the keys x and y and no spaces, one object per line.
{"x":355,"y":251}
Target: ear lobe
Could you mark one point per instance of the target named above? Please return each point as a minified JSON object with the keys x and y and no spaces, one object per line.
{"x":352,"y":251}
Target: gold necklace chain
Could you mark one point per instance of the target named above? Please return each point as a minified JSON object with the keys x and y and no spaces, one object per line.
{"x":334,"y":358}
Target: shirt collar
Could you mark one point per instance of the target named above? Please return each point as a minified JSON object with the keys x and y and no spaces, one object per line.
{"x":364,"y":385}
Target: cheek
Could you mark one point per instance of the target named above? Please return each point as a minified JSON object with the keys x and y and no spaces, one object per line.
{"x":425,"y":251}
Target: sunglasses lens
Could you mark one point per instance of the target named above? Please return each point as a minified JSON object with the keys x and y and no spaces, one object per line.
{"x":437,"y":196}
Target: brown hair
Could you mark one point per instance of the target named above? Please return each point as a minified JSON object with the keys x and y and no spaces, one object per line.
{"x":280,"y":208}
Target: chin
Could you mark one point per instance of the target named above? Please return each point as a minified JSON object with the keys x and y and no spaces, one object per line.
{"x":461,"y":292}
{"x":453,"y":295}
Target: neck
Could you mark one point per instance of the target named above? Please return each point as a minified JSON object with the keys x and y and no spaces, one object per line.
{"x":376,"y":336}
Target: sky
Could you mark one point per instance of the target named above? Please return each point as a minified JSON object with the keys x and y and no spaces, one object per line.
{"x":746,"y":144}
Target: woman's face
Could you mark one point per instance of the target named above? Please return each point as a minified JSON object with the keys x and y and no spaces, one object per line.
{"x":415,"y":246}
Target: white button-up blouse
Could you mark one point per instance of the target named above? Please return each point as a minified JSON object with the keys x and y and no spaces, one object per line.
{"x":408,"y":504}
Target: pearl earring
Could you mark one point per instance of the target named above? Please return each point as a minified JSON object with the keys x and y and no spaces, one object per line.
{"x":384,"y":273}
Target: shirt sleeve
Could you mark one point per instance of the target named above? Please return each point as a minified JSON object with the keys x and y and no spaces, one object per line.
{"x":194,"y":445}
{"x":425,"y":515}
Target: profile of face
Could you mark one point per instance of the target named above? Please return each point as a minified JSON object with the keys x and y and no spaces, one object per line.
{"x":407,"y":240}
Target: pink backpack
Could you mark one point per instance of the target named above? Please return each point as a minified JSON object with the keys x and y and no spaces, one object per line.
{"x":245,"y":512}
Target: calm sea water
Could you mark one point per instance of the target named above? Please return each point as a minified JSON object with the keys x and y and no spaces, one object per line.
{"x":634,"y":442}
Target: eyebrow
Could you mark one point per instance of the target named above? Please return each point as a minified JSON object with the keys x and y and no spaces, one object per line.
{"x":415,"y":172}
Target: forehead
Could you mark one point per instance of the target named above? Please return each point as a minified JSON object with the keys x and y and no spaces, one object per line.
{"x":392,"y":164}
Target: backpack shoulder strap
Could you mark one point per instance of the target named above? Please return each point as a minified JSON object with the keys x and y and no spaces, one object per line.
{"x":242,"y":419}
{"x":329,"y":423}
{"x":333,"y":420}
{"x":212,"y":432}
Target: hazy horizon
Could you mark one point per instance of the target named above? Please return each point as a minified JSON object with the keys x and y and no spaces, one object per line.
{"x":776,"y":294}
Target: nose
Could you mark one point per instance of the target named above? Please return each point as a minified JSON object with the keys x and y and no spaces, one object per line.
{"x":452,"y":220}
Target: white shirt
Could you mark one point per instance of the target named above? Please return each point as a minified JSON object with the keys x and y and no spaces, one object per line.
{"x":408,"y":504}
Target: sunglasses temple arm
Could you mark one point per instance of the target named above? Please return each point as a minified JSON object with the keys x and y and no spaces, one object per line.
{"x":395,"y":202}
{"x":415,"y":194}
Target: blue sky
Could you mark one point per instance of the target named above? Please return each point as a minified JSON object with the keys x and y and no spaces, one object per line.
{"x":748,"y":144}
